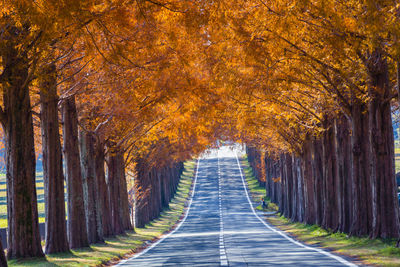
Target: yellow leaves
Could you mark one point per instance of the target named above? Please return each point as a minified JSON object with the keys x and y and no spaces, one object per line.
{"x":276,"y":179}
{"x":176,"y":76}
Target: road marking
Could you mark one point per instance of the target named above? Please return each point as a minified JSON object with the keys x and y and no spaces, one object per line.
{"x":163,"y":237}
{"x":339,"y":259}
{"x":222,"y":252}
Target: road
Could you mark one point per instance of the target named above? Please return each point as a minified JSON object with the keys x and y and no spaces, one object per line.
{"x":221,"y":227}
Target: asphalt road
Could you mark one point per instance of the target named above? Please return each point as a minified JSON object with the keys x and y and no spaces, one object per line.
{"x":222,"y":229}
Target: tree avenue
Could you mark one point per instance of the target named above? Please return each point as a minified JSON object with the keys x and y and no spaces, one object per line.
{"x":126,"y":91}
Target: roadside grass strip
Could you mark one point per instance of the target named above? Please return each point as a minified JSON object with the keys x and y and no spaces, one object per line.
{"x":257,"y":192}
{"x":124,"y":246}
{"x":376,"y":252}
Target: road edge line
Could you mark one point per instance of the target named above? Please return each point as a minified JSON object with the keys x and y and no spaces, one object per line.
{"x":338,"y":258}
{"x":163,"y":237}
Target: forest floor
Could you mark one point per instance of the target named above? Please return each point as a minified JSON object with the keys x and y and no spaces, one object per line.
{"x":372,"y":252}
{"x":125,"y":245}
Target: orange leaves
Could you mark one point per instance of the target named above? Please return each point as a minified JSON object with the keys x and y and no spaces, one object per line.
{"x":171,"y":77}
{"x":276,"y":179}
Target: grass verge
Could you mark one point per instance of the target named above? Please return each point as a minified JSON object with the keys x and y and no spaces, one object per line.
{"x":123,"y":245}
{"x":257,"y":192}
{"x":376,"y":252}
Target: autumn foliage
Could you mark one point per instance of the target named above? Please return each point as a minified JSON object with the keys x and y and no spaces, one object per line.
{"x":142,"y":86}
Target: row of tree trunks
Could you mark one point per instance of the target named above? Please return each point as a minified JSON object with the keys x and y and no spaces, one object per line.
{"x":154,"y":189}
{"x":257,"y":164}
{"x":87,"y":198}
{"x":343,"y":180}
{"x":88,"y":193}
{"x":93,"y":204}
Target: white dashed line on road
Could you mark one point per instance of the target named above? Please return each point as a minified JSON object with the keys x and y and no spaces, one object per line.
{"x":222,"y":252}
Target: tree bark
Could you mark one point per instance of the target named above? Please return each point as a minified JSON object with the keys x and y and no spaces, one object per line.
{"x":142,"y":193}
{"x":295,"y":197}
{"x":53,"y":176}
{"x":3,"y":260}
{"x":119,"y":202}
{"x":124,"y":200}
{"x":361,"y":208}
{"x":113,"y":183}
{"x":318,"y":178}
{"x":330,"y":212}
{"x":283,"y":189}
{"x":104,"y":199}
{"x":164,"y":188}
{"x":300,"y":189}
{"x":268,"y":176}
{"x":289,"y":186}
{"x":90,"y":188}
{"x":343,"y":172}
{"x":308,"y":177}
{"x":385,"y":208}
{"x":159,"y":192}
{"x":76,"y":223}
{"x":23,"y":224}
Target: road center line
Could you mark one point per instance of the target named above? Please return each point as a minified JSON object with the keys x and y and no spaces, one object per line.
{"x":222,"y":251}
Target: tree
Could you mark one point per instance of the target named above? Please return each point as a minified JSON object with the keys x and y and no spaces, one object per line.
{"x":16,"y":119}
{"x":76,"y":225}
{"x":56,"y":231}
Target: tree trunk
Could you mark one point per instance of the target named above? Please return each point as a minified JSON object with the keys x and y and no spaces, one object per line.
{"x":289,"y":186}
{"x":308,"y":177}
{"x":124,"y":200}
{"x":343,"y":172}
{"x":164,"y":179}
{"x":278,"y":184}
{"x":104,"y":200}
{"x":385,"y":208}
{"x":23,"y":224}
{"x":53,"y":176}
{"x":300,"y":189}
{"x":330,"y":212}
{"x":282,"y":201}
{"x":295,"y":197}
{"x":90,"y":188}
{"x":142,"y":193}
{"x":76,"y":224}
{"x":3,"y":260}
{"x":361,"y":208}
{"x":318,"y":178}
{"x":114,"y":189}
{"x":159,"y":192}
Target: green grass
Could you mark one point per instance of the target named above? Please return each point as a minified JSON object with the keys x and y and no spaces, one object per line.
{"x":257,"y":192}
{"x":3,"y":196}
{"x":381,"y":252}
{"x":397,"y":156}
{"x":124,"y":245}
